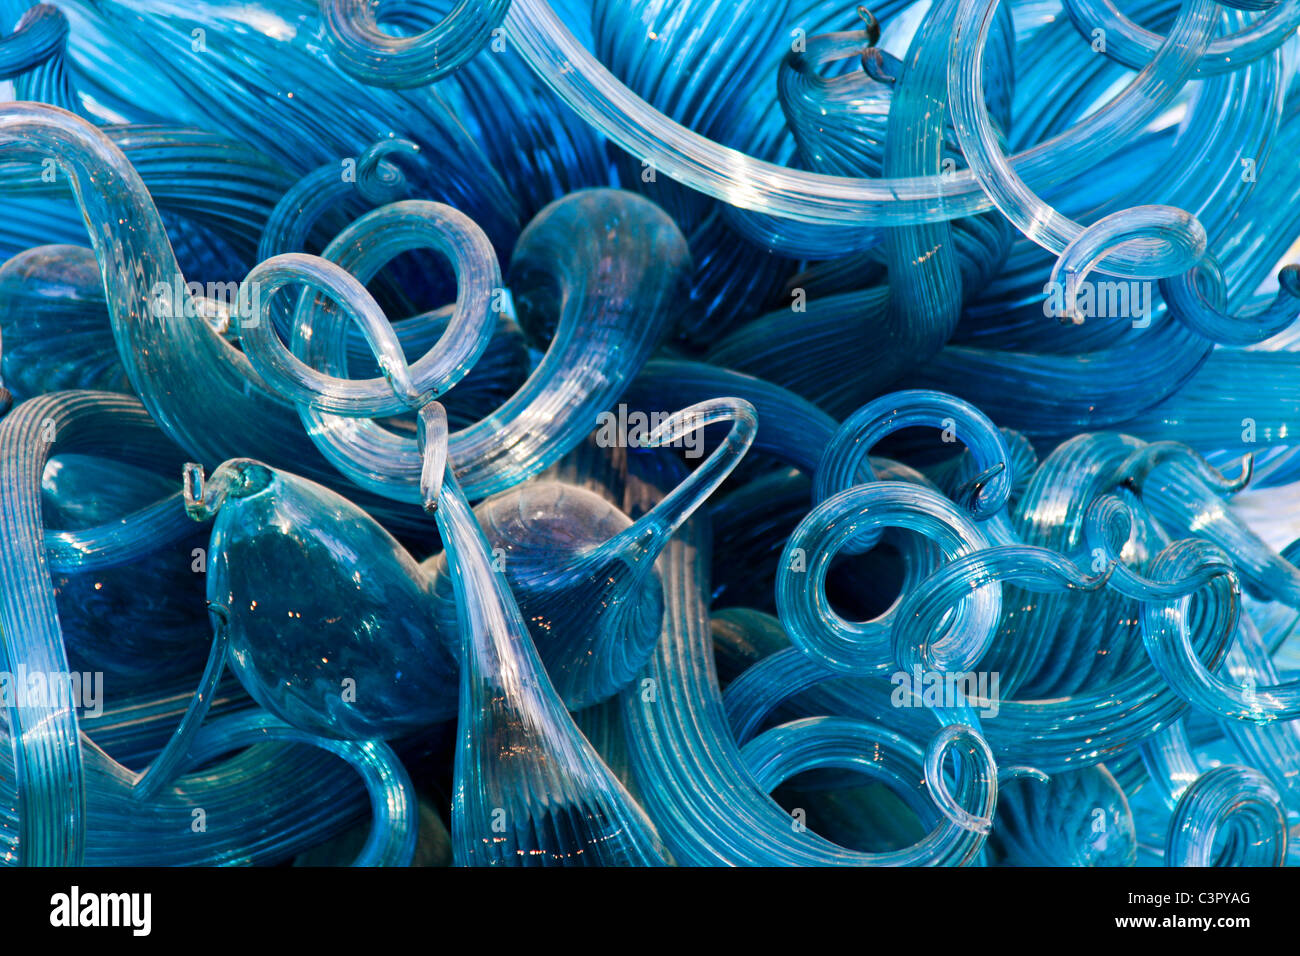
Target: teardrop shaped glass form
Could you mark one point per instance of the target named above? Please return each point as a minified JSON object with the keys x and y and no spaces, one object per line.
{"x":48,"y":292}
{"x":1076,"y":818}
{"x":331,"y":623}
{"x":583,"y":573}
{"x":530,"y":789}
{"x":127,"y":606}
{"x":590,"y":595}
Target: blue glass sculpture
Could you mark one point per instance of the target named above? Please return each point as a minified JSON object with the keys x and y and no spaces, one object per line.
{"x":744,"y":434}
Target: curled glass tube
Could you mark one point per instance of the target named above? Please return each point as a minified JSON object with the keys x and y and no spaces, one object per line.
{"x":1159,"y":82}
{"x":403,"y":226}
{"x":379,"y":179}
{"x":701,"y":800}
{"x":391,"y":841}
{"x":1234,"y":800}
{"x":1175,"y":230}
{"x":844,"y":463}
{"x":864,"y":647}
{"x":374,"y":56}
{"x":1165,"y":630}
{"x":139,"y":268}
{"x":743,"y":180}
{"x":35,"y":55}
{"x":923,"y":607}
{"x":1134,"y":46}
{"x":562,"y":392}
{"x":790,"y":428}
{"x":46,"y":756}
{"x":822,"y":742}
{"x":1190,"y":304}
